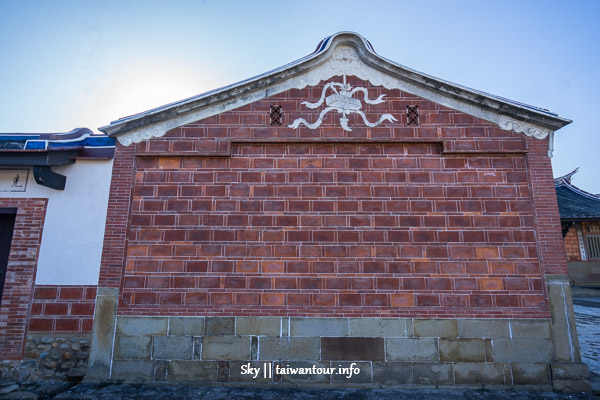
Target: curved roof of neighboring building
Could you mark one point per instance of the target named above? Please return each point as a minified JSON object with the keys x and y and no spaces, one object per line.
{"x":574,"y":203}
{"x":81,"y":140}
{"x":42,"y":151}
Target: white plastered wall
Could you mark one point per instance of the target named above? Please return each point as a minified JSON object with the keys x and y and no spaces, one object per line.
{"x":73,"y":233}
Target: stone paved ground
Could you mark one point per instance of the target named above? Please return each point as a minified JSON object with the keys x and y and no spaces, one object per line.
{"x":586,"y":304}
{"x":139,"y":392}
{"x":587,"y":315}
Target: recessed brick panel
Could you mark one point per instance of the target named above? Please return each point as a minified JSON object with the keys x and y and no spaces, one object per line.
{"x":243,"y":218}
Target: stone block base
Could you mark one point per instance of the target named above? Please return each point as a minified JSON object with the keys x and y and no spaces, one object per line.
{"x":571,"y":378}
{"x":335,"y":352}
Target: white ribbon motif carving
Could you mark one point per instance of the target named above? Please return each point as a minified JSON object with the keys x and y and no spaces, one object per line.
{"x":343,"y":102}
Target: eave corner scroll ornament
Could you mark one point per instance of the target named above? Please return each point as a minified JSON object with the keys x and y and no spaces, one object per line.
{"x":341,"y":100}
{"x":509,"y":124}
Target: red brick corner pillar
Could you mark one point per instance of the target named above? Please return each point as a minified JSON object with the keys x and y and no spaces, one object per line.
{"x":112,"y":264}
{"x":117,"y":217}
{"x":20,"y":274}
{"x":553,"y":258}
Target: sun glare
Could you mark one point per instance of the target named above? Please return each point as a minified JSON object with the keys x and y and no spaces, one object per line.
{"x":137,"y":90}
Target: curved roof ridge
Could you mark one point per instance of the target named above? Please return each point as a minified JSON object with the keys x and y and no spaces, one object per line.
{"x":508,"y":114}
{"x":566,"y":177}
{"x":575,"y":189}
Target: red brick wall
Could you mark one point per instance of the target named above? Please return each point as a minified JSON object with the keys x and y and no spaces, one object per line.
{"x":117,"y":220}
{"x":22,"y":262}
{"x":62,"y":308}
{"x":572,"y":244}
{"x":231,"y":216}
{"x":549,"y":234}
{"x":572,"y":240}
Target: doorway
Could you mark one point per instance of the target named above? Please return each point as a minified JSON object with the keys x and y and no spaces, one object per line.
{"x":7,"y":225}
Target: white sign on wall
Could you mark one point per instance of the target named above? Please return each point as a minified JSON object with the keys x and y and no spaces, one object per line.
{"x":13,"y":180}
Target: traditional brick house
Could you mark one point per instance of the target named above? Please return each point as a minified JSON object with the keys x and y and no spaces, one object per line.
{"x":53,"y":201}
{"x":580,"y":220}
{"x":341,"y":209}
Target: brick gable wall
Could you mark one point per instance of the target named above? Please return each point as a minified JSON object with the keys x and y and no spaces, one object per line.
{"x":232,"y":216}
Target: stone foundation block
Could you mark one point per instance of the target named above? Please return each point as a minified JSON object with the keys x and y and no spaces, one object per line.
{"x":564,"y":332}
{"x":476,"y":328}
{"x":192,"y":371}
{"x":105,"y":314}
{"x":135,"y":326}
{"x":338,"y":348}
{"x":197,"y":348}
{"x":318,"y":327}
{"x":570,"y":371}
{"x":433,"y":374}
{"x":223,"y":371}
{"x":186,"y":326}
{"x":479,"y":373}
{"x":172,"y":347}
{"x":288,"y":348}
{"x":377,"y":327}
{"x":417,"y":349}
{"x":133,"y":370}
{"x":530,"y":374}
{"x":489,"y":350}
{"x":523,"y":350}
{"x":132,"y":347}
{"x":226,"y":348}
{"x":572,"y":385}
{"x":393,"y":373}
{"x":160,"y":370}
{"x":437,"y":328}
{"x":462,"y":350}
{"x":258,"y":326}
{"x":530,"y":328}
{"x":215,"y":326}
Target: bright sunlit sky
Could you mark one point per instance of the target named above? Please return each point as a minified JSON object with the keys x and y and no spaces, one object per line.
{"x":83,"y":63}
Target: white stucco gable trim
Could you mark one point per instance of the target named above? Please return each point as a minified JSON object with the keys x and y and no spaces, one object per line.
{"x":345,"y":53}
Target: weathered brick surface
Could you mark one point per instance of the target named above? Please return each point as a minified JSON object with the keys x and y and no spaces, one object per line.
{"x":62,"y":308}
{"x":232,"y":216}
{"x":20,"y":275}
{"x":550,"y":244}
{"x":571,"y":240}
{"x":117,"y":219}
{"x":572,"y":245}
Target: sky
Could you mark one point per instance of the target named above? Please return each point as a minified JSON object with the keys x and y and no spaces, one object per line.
{"x":84,"y":63}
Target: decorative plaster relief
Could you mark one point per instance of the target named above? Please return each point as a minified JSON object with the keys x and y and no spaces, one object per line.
{"x":343,"y":60}
{"x":343,"y":102}
{"x":139,"y":135}
{"x":509,"y":124}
